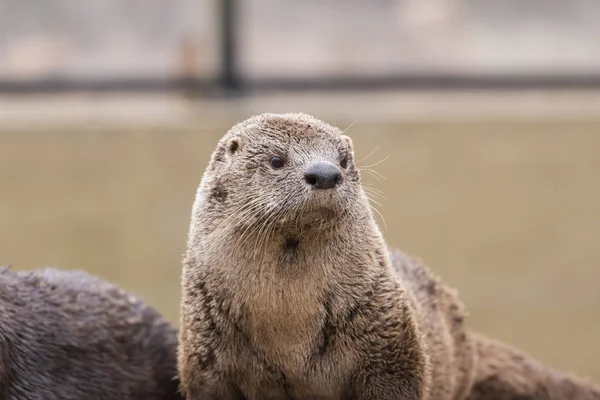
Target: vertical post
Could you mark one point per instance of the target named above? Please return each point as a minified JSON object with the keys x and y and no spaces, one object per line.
{"x":230,"y":79}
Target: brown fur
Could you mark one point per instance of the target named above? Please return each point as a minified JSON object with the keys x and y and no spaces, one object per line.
{"x":505,"y":373}
{"x":441,"y":318}
{"x":65,"y":335}
{"x":488,"y":370}
{"x":291,"y":293}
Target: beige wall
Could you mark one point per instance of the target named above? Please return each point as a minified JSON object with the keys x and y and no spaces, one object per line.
{"x":507,"y":212}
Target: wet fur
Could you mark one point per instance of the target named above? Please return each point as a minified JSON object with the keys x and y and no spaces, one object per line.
{"x":293,"y":294}
{"x":66,"y":335}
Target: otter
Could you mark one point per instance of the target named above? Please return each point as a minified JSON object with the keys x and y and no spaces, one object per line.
{"x":289,"y":290}
{"x":506,"y":373}
{"x":67,"y":335}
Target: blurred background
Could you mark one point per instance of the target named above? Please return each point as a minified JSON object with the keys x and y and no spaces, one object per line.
{"x":481,"y":119}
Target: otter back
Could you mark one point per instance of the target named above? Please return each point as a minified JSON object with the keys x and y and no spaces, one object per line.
{"x":70,"y":336}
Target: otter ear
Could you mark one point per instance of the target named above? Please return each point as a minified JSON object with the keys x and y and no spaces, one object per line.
{"x":348,"y":140}
{"x":233,"y":145}
{"x":226,"y":149}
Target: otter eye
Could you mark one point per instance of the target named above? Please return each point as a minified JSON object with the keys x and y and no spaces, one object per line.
{"x":344,"y":162}
{"x":276,"y":162}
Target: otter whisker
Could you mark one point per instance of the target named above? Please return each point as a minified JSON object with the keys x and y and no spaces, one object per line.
{"x":300,"y":217}
{"x":283,"y":213}
{"x":374,"y":201}
{"x":267,"y":229}
{"x":263,"y":231}
{"x":239,"y":212}
{"x":266,"y":234}
{"x":250,"y":212}
{"x":372,"y":188}
{"x":368,"y":155}
{"x":375,"y":164}
{"x":375,"y":194}
{"x":251,"y":229}
{"x":349,"y":126}
{"x":375,"y":174}
{"x":380,"y":215}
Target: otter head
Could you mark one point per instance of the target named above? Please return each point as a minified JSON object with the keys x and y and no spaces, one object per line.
{"x":280,"y":173}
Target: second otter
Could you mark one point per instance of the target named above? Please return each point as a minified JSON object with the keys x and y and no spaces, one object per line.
{"x":289,"y":291}
{"x":67,"y":335}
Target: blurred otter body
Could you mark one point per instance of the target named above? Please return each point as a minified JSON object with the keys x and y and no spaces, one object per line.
{"x":497,"y":371}
{"x":66,"y":335}
{"x":505,"y":373}
{"x":440,"y":318}
{"x":289,"y":291}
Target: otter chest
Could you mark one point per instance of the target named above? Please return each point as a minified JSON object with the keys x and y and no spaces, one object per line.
{"x":284,"y":321}
{"x":286,"y":330}
{"x":299,"y":378}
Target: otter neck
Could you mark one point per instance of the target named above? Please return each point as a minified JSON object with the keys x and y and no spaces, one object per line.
{"x":333,"y":252}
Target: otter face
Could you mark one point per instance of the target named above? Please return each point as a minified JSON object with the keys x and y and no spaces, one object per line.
{"x":283,"y":169}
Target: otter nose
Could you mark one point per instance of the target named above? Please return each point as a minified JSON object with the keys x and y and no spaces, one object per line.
{"x":323,"y":175}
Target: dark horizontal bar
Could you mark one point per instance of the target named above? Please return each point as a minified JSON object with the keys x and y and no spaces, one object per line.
{"x":430,"y":82}
{"x":141,"y":85}
{"x":348,"y":83}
